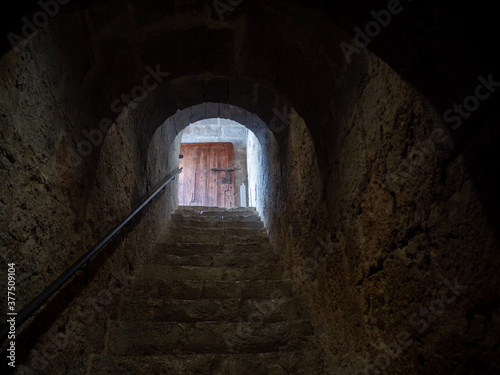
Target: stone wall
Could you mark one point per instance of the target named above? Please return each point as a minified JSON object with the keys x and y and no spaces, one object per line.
{"x":264,"y":177}
{"x":55,"y":209}
{"x":392,"y":242}
{"x":253,"y":151}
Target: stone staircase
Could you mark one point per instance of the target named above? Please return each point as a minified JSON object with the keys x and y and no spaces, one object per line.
{"x":212,"y":300}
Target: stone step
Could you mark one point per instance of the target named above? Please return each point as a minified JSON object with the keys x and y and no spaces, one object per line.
{"x":174,"y":239}
{"x":213,"y":223}
{"x":255,"y":289}
{"x":214,"y":260}
{"x":212,"y":300}
{"x":230,"y":310}
{"x":272,"y":363}
{"x":205,"y":248}
{"x":233,"y":220}
{"x":217,"y":213}
{"x":215,"y":209}
{"x":217,"y":218}
{"x":159,"y":338}
{"x":214,"y":232}
{"x":172,"y":273}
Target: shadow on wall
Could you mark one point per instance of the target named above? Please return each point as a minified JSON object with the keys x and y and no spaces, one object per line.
{"x":387,"y":262}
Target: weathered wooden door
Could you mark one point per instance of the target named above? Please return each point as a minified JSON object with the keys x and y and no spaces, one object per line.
{"x":199,"y":184}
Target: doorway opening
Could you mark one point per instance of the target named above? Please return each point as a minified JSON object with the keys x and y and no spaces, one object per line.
{"x":216,"y":164}
{"x":207,"y":178}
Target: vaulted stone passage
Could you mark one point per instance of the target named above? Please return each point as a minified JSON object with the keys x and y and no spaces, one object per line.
{"x":382,"y":211}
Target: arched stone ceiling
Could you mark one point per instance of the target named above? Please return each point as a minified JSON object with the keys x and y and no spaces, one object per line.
{"x":439,"y":46}
{"x":264,"y":54}
{"x":261,"y":61}
{"x":183,"y":118}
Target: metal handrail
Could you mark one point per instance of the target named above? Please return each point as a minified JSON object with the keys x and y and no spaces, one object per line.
{"x":36,"y":303}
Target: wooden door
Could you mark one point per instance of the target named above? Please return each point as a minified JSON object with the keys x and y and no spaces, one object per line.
{"x":199,"y":185}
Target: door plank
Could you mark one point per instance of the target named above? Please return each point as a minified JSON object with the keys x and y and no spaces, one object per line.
{"x":198,"y":184}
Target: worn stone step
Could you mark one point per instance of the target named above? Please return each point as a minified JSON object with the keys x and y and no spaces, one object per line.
{"x":255,"y":289}
{"x":222,"y":214}
{"x":213,"y":208}
{"x":208,"y":210}
{"x":161,"y":272}
{"x":230,"y":310}
{"x":213,"y":223}
{"x":205,"y":248}
{"x":212,"y":300}
{"x":215,"y":232}
{"x":273,"y":363}
{"x":229,"y":238}
{"x":217,"y":218}
{"x":158,"y":338}
{"x":214,"y":260}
